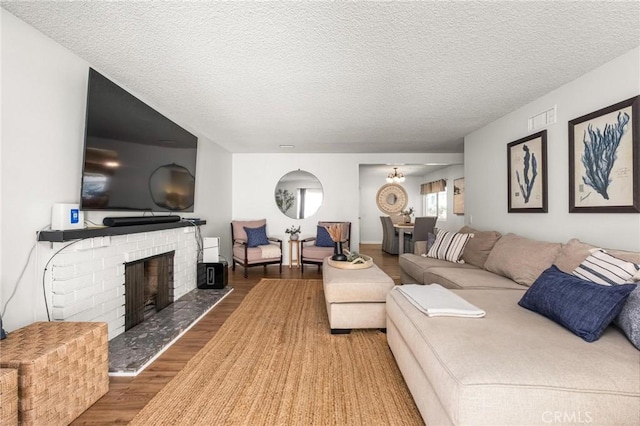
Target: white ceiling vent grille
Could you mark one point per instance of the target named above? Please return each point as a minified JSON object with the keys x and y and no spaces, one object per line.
{"x":543,"y":119}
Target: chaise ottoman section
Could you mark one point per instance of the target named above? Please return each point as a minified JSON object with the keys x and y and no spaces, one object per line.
{"x":511,"y":367}
{"x":63,"y":368}
{"x":355,"y":298}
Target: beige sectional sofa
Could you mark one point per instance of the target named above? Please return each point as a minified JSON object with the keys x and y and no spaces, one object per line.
{"x":513,"y":366}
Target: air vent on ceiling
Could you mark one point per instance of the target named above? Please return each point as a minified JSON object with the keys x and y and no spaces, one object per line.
{"x":543,"y":119}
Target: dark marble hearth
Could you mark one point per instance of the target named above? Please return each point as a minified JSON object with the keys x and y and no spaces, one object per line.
{"x":133,"y":350}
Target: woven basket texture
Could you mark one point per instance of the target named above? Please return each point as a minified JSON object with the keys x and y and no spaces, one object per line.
{"x":63,"y":368}
{"x":8,"y":396}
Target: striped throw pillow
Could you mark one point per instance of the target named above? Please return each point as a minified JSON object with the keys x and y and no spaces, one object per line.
{"x":449,"y":246}
{"x":602,"y":268}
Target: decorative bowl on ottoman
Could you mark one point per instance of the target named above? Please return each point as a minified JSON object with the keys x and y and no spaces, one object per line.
{"x":361,"y":261}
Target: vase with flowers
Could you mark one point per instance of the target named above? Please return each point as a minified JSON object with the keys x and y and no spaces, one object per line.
{"x":293,"y":233}
{"x":335,"y":232}
{"x":406,"y":214}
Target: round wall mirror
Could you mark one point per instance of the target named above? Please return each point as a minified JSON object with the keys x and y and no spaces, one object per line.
{"x":299,"y":194}
{"x":392,"y":198}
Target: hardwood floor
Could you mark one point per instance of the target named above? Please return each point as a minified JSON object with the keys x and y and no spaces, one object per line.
{"x":128,"y":395}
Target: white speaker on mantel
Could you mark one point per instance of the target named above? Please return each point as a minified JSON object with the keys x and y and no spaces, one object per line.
{"x":66,"y":216}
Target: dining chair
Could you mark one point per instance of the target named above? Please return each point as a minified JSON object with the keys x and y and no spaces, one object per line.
{"x":389,"y":236}
{"x":423,"y":227}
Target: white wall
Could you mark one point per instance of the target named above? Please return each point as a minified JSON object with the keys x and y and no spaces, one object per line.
{"x":486,"y":166}
{"x":451,"y":173}
{"x":43,"y":111}
{"x":213,"y":192}
{"x":255,"y":177}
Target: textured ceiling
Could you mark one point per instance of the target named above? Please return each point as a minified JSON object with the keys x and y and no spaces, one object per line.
{"x":338,"y":76}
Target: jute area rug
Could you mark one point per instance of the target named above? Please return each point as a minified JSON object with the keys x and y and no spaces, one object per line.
{"x":274,"y":362}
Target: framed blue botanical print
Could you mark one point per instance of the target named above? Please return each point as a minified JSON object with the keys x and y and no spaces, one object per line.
{"x":527,"y":174}
{"x":604,"y":160}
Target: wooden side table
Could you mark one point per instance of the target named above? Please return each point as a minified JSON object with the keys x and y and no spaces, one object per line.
{"x":294,"y":249}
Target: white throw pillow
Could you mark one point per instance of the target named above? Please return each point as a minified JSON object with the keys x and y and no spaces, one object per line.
{"x":602,"y":268}
{"x":449,"y":246}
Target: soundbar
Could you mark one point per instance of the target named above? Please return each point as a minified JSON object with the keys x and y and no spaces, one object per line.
{"x":138,"y":220}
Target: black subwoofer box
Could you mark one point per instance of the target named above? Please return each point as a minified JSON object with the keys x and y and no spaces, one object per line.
{"x":213,"y":275}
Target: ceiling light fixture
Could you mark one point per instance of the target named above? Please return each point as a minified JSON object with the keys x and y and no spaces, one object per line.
{"x":287,"y":146}
{"x":396,"y":176}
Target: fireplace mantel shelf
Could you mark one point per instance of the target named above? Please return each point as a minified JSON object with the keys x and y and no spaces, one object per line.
{"x":103,"y":231}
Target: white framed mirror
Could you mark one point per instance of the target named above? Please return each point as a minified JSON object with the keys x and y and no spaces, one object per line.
{"x":299,"y":194}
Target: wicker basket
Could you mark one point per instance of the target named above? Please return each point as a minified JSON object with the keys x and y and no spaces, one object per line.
{"x":62,"y":369}
{"x":8,"y":396}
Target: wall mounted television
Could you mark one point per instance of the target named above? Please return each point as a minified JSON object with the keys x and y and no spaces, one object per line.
{"x":135,"y":158}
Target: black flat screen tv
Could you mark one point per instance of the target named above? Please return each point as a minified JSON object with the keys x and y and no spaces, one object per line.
{"x":135,"y":158}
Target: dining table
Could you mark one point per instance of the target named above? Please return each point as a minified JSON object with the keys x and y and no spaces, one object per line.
{"x":403,"y":228}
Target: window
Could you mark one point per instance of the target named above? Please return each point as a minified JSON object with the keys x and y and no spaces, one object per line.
{"x":311,"y":200}
{"x":435,"y":204}
{"x":435,"y":198}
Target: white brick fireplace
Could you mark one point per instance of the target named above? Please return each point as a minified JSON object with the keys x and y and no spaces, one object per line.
{"x":86,"y":279}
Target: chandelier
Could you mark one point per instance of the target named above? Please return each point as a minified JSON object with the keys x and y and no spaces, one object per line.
{"x":395,"y":177}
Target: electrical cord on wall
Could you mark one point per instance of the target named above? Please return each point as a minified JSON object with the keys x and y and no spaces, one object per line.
{"x":198,"y":237}
{"x":91,"y":223}
{"x":44,"y":273}
{"x":24,"y":268}
{"x":15,"y":286}
{"x":199,"y":242}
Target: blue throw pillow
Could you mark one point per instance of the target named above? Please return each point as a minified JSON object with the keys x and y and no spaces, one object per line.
{"x":323,"y":239}
{"x":431,"y":238}
{"x":256,"y":236}
{"x":583,"y":307}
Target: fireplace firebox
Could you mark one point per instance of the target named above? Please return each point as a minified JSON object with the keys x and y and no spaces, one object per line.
{"x":148,"y":287}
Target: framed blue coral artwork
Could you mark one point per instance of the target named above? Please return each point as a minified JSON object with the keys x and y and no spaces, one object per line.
{"x":527,"y":174}
{"x":604,"y":160}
